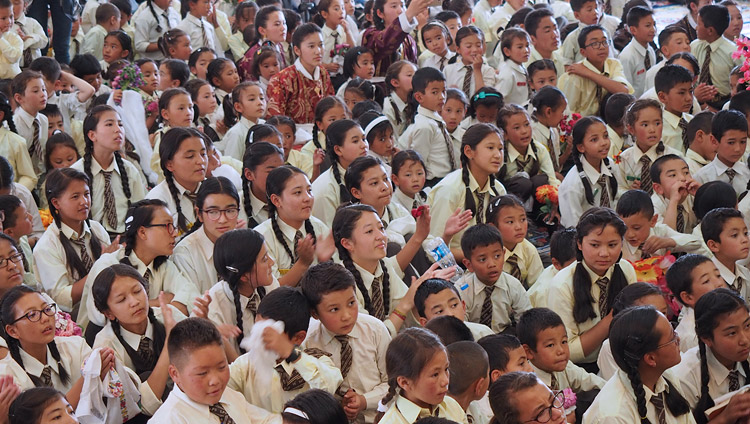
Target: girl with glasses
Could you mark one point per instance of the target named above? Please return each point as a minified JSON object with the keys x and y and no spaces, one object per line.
{"x":521,"y":397}
{"x":218,"y":211}
{"x":149,"y":240}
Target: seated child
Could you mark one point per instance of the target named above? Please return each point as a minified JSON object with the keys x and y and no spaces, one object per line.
{"x":314,"y":406}
{"x":107,"y":20}
{"x":200,"y":371}
{"x":512,"y":78}
{"x":469,"y":378}
{"x":454,"y":112}
{"x":351,"y":337}
{"x":549,"y":105}
{"x":689,"y":278}
{"x":449,"y":329}
{"x":712,"y":195}
{"x":672,"y":40}
{"x":586,"y":13}
{"x":296,"y":370}
{"x":526,"y":397}
{"x":562,"y":250}
{"x":614,"y":116}
{"x":493,"y":297}
{"x":435,"y":298}
{"x":408,"y":174}
{"x":644,"y":236}
{"x":18,"y":226}
{"x":725,"y":234}
{"x":506,"y":355}
{"x":674,"y":190}
{"x":674,"y":85}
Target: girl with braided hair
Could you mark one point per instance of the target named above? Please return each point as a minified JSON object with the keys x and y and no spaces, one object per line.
{"x":116,"y":183}
{"x":291,"y":232}
{"x":469,"y":188}
{"x":175,"y":111}
{"x":644,"y":390}
{"x":591,"y":182}
{"x":260,"y":159}
{"x":328,"y":110}
{"x":149,"y":240}
{"x":37,"y":357}
{"x":13,"y":147}
{"x":398,"y":82}
{"x":68,"y":248}
{"x":245,"y":278}
{"x":138,"y":338}
{"x":152,"y":23}
{"x":719,"y":364}
{"x":417,"y":366}
{"x":583,"y":293}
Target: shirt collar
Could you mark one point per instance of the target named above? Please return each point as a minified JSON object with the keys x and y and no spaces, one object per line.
{"x":591,"y":173}
{"x":693,"y":155}
{"x":725,"y":272}
{"x":721,"y":167}
{"x":672,"y":119}
{"x":182,"y":189}
{"x":288,"y":231}
{"x":516,"y":66}
{"x":201,"y":411}
{"x":411,"y":411}
{"x":367,"y":277}
{"x":25,"y":117}
{"x":513,"y":154}
{"x":194,"y":19}
{"x":34,"y":367}
{"x":134,"y":340}
{"x":718,"y":371}
{"x":479,"y":286}
{"x":639,"y":48}
{"x":256,"y":203}
{"x":399,"y":103}
{"x":228,"y":292}
{"x":205,"y":244}
{"x":328,"y":335}
{"x":328,"y":31}
{"x":315,"y":76}
{"x":594,"y":276}
{"x":427,"y":113}
{"x":589,"y":65}
{"x":97,"y":168}
{"x":72,"y":234}
{"x":138,"y":264}
{"x":691,"y":21}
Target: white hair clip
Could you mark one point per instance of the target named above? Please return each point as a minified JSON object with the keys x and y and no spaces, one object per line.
{"x":232,"y":269}
{"x":297,"y":412}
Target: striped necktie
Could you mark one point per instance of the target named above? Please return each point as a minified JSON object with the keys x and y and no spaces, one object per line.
{"x":84,"y":254}
{"x":604,"y":200}
{"x":705,"y":74}
{"x":110,"y":209}
{"x":646,"y":184}
{"x":683,"y":124}
{"x":46,"y":376}
{"x":658,"y":403}
{"x":222,"y":413}
{"x":26,"y":61}
{"x":515,"y":270}
{"x":35,"y":149}
{"x":347,"y":354}
{"x":485,"y":316}
{"x":603,"y":284}
{"x":376,"y":298}
{"x":680,"y":227}
{"x":467,"y":80}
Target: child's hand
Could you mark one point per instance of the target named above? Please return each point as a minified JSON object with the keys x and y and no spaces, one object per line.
{"x":108,"y":361}
{"x":693,"y":186}
{"x":228,"y":332}
{"x":241,"y":223}
{"x":738,"y":407}
{"x":416,"y":7}
{"x":578,"y":69}
{"x":22,"y":34}
{"x":423,"y":224}
{"x":422,"y":18}
{"x":166,"y":313}
{"x":330,"y":67}
{"x":211,"y":18}
{"x":654,"y":243}
{"x":571,"y":418}
{"x":457,"y":222}
{"x":704,"y":92}
{"x":117,"y":96}
{"x":112,"y":247}
{"x":477,"y":62}
{"x":344,"y":24}
{"x":318,"y":157}
{"x":8,"y":393}
{"x":221,"y":127}
{"x":306,"y":250}
{"x":678,"y":191}
{"x":277,"y":342}
{"x":636,"y":184}
{"x":354,"y":403}
{"x":200,"y":305}
{"x":325,"y":247}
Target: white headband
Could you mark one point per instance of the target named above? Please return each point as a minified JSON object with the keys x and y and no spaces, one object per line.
{"x":374,"y":123}
{"x":297,"y":412}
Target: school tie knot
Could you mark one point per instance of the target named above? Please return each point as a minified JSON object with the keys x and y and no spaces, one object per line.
{"x":297,"y":237}
{"x":481,"y":196}
{"x":147,"y":280}
{"x":252,"y":304}
{"x":604,"y":199}
{"x":731,"y":173}
{"x":554,"y":384}
{"x":646,"y":184}
{"x":346,"y":354}
{"x":658,"y":403}
{"x":191,"y":196}
{"x":290,"y":383}
{"x":734,"y":380}
{"x":680,"y":226}
{"x":705,"y":74}
{"x":603,"y":284}
{"x":146,"y":350}
{"x":221,"y":413}
{"x":647,"y":61}
{"x":83,"y":252}
{"x":110,"y":209}
{"x":46,"y":376}
{"x":485,"y":316}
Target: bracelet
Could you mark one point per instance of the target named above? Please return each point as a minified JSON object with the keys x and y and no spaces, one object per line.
{"x":296,"y":353}
{"x":399,"y":314}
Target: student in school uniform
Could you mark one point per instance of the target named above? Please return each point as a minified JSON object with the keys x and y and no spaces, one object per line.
{"x":674,"y":89}
{"x":11,"y":44}
{"x":151,"y":26}
{"x":7,"y":186}
{"x":76,"y":38}
{"x":107,"y":20}
{"x":672,"y":197}
{"x":398,"y":81}
{"x":13,"y":149}
{"x":197,"y":27}
{"x":34,"y":37}
{"x":701,"y":151}
{"x":512,"y":77}
{"x":29,"y":93}
{"x":260,"y":158}
{"x":438,"y":40}
{"x":729,"y":132}
{"x":470,"y":72}
{"x":545,"y":38}
{"x":716,"y":228}
{"x":638,"y":56}
{"x":437,"y":298}
{"x":247,"y":103}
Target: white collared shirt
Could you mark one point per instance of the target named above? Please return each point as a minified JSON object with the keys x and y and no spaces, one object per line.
{"x":684,"y":243}
{"x":512,"y":81}
{"x":330,"y":42}
{"x":509,"y":299}
{"x":404,"y":411}
{"x":25,"y":127}
{"x":661,"y":204}
{"x":630,"y":168}
{"x":538,"y":292}
{"x":23,"y":193}
{"x":325,"y":188}
{"x":716,"y":171}
{"x":731,"y":277}
{"x":200,"y":31}
{"x":282,"y":262}
{"x":37,"y":38}
{"x":695,"y":161}
{"x":315,"y":75}
{"x":671,"y":133}
{"x":149,"y":28}
{"x":194,"y":256}
{"x":573,"y":377}
{"x":426,"y":137}
{"x":721,"y":61}
{"x":572,"y":195}
{"x":689,"y":370}
{"x":542,"y":155}
{"x":556,"y":58}
{"x":686,"y":329}
{"x":233,"y":143}
{"x":428,"y":58}
{"x":395,"y":106}
{"x":161,"y":192}
{"x":93,"y":41}
{"x":633,"y":59}
{"x":456,"y":72}
{"x":529,"y":262}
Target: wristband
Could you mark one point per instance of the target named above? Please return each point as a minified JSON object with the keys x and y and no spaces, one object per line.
{"x":399,"y":314}
{"x":296,"y":353}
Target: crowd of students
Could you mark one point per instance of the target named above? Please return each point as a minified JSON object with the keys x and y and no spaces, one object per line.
{"x":264,"y":256}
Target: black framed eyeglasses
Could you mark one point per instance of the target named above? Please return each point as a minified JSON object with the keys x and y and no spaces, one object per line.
{"x":36,"y":315}
{"x":16,"y":259}
{"x":596,"y":44}
{"x":546,"y":414}
{"x":169,"y":226}
{"x":215,"y":214}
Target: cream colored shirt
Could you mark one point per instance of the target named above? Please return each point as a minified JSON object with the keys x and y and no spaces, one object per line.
{"x":11,"y":47}
{"x":233,"y":143}
{"x":194,"y":256}
{"x":695,"y":161}
{"x":327,"y":194}
{"x":572,"y":195}
{"x":161,"y":192}
{"x":404,"y":411}
{"x":148,"y":29}
{"x":201,"y":33}
{"x":456,"y":72}
{"x":581,"y":92}
{"x":606,"y":362}
{"x":633,"y":59}
{"x":716,"y":171}
{"x":426,"y":138}
{"x":27,"y":198}
{"x":37,"y":38}
{"x":282,"y":262}
{"x":721,"y":61}
{"x":509,"y":300}
{"x":731,"y":277}
{"x":93,"y":41}
{"x":395,"y":106}
{"x":542,"y":156}
{"x":538,"y":292}
{"x":369,"y":340}
{"x":661,"y":204}
{"x":529,"y":262}
{"x":689,"y":371}
{"x":671,"y":133}
{"x":630,"y":168}
{"x":617,"y":143}
{"x":572,"y":376}
{"x":684,"y":243}
{"x":556,"y":58}
{"x":686,"y":329}
{"x":25,"y":127}
{"x":570,"y":51}
{"x":13,"y":147}
{"x":560,"y":300}
{"x":237,"y":45}
{"x":547,"y":137}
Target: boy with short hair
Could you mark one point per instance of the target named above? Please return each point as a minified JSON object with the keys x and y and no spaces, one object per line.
{"x":689,"y":278}
{"x":645,"y":237}
{"x":586,"y":83}
{"x":435,"y":298}
{"x":88,"y":68}
{"x":689,"y":22}
{"x":672,"y":40}
{"x":701,"y":151}
{"x":449,"y":329}
{"x":469,"y":378}
{"x":638,"y":56}
{"x":198,"y":366}
{"x":30,"y":93}
{"x":493,"y":297}
{"x":54,"y":119}
{"x":673,"y":198}
{"x":11,"y":44}
{"x":356,"y":341}
{"x":545,"y":38}
{"x":674,"y":87}
{"x":587,"y":12}
{"x":562,"y":250}
{"x":107,"y":20}
{"x":725,"y":234}
{"x":296,"y":370}
{"x":714,"y":52}
{"x":18,"y":225}
{"x":729,"y":135}
{"x":506,"y":355}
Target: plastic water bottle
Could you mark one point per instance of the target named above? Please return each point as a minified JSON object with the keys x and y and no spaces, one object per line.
{"x":442,"y":255}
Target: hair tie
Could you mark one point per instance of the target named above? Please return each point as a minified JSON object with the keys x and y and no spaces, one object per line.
{"x":483,"y":95}
{"x":382,"y":408}
{"x":232,"y":269}
{"x":297,"y":412}
{"x":374,"y":123}
{"x":128,"y":221}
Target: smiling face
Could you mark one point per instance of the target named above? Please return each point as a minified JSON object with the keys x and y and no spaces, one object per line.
{"x":203,"y":374}
{"x":645,"y":31}
{"x":601,"y":248}
{"x":262,"y":273}
{"x":127,"y":303}
{"x":74,"y":203}
{"x":551,"y":352}
{"x":338,"y":310}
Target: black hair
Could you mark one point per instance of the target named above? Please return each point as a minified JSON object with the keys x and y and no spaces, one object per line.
{"x":656,"y":167}
{"x":30,"y":404}
{"x":302,"y":32}
{"x":6,"y":173}
{"x":499,"y":203}
{"x":114,"y":68}
{"x":363,"y":107}
{"x":449,"y":329}
{"x":727,"y":120}
{"x":126,"y":43}
{"x":480,"y":235}
{"x":502,"y":395}
{"x":635,"y":202}
{"x":263,"y":132}
{"x":428,"y":288}
{"x":518,"y":19}
{"x":614,"y":110}
{"x":631,"y":336}
{"x":419,"y":82}
{"x":232,"y":263}
{"x":669,"y":76}
{"x":471,"y":138}
{"x":680,"y":274}
{"x":178,"y":69}
{"x":577,"y":5}
{"x":168,"y":148}
{"x":58,"y":181}
{"x":324,"y":278}
{"x":319,"y":406}
{"x":365,"y":89}
{"x":231,"y":115}
{"x":100,"y":291}
{"x":288,"y":305}
{"x":447,"y":15}
{"x":351,"y":59}
{"x":336,"y":136}
{"x":579,"y":133}
{"x":20,"y":81}
{"x":486,"y":96}
{"x":741,"y":102}
{"x":562,"y":245}
{"x":275,"y":185}
{"x":595,"y":219}
{"x":436,"y":23}
{"x":85,"y":64}
{"x":547,"y":97}
{"x":7,"y":316}
{"x":240,"y":10}
{"x":260,"y":56}
{"x":48,"y":67}
{"x":210,"y":186}
{"x":508,"y":36}
{"x":401,"y":158}
{"x":461,"y":7}
{"x":531,"y":23}
{"x":169,"y":38}
{"x":261,"y":20}
{"x":353,"y":176}
{"x":344,"y":221}
{"x":713,"y":223}
{"x":215,"y":68}
{"x":715,"y":16}
{"x":8,"y":113}
{"x":686,"y":56}
{"x":632,"y":293}
{"x":324,"y":105}
{"x":498,"y":347}
{"x":585,"y":31}
{"x":189,"y":335}
{"x":196,"y":54}
{"x":666,"y":34}
{"x":636,"y":13}
{"x":468,"y":363}
{"x":255,"y":155}
{"x":534,"y":321}
{"x":8,"y":205}
{"x":140,"y":214}
{"x":711,"y":195}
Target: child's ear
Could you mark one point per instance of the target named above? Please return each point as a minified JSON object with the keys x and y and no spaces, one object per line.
{"x":556,"y":264}
{"x":650,"y":359}
{"x":9,"y":232}
{"x":418,"y":97}
{"x":11,"y":331}
{"x":125,"y":54}
{"x":422,"y":321}
{"x":713,"y":246}
{"x":297,"y":51}
{"x":714,"y":141}
{"x":356,"y":193}
{"x":249,"y":174}
{"x":276,"y":200}
{"x":299,"y":338}
{"x":658,"y":189}
{"x":18,"y":98}
{"x":110,"y":316}
{"x":403,"y":382}
{"x":662,"y":95}
{"x":687,"y":298}
{"x":346,"y":243}
{"x":174,"y":374}
{"x":467,"y":264}
{"x":529,"y":352}
{"x":495,"y":374}
{"x":654,"y":219}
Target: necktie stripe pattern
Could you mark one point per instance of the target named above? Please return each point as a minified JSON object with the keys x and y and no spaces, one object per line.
{"x":603,"y":284}
{"x":83,"y":253}
{"x":218,"y":410}
{"x":448,"y":146}
{"x":110,"y":210}
{"x":705,"y":74}
{"x":680,"y":227}
{"x":646,"y":183}
{"x":485,"y":316}
{"x":658,"y":401}
{"x":515,"y":270}
{"x":683,"y":124}
{"x":35,"y":149}
{"x":467,"y":80}
{"x":347,"y":355}
{"x":604,"y":200}
{"x":376,"y":298}
{"x":46,"y":376}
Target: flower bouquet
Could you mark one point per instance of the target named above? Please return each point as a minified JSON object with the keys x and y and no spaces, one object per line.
{"x":653,"y":270}
{"x":566,"y":129}
{"x":743,"y":51}
{"x":547,"y":196}
{"x":128,"y":78}
{"x":569,"y":404}
{"x":65,"y":326}
{"x":338,"y":53}
{"x":46,"y":217}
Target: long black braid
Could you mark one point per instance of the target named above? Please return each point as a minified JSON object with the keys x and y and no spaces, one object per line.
{"x":275,"y":185}
{"x":156,"y":17}
{"x":168,"y":148}
{"x":142,"y":368}
{"x":255,"y":155}
{"x":472,"y":137}
{"x":7,"y":113}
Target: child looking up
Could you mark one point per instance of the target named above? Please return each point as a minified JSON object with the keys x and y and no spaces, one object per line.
{"x":437,"y":298}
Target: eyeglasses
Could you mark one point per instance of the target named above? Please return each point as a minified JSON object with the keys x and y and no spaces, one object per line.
{"x":597,"y":44}
{"x":169,"y":226}
{"x":36,"y":315}
{"x":17,"y":258}
{"x":675,"y":339}
{"x":215,"y":214}
{"x":546,"y":414}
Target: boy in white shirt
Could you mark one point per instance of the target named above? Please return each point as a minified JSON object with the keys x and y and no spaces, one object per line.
{"x":30,"y":31}
{"x":674,"y":191}
{"x":296,"y":370}
{"x":107,"y":20}
{"x":689,"y":278}
{"x":562,"y":250}
{"x":469,"y":378}
{"x":672,"y":40}
{"x":644,"y":237}
{"x":30,"y":94}
{"x":11,"y":44}
{"x":587,"y":12}
{"x":436,"y":298}
{"x":725,"y":233}
{"x":729,"y":134}
{"x":483,"y":11}
{"x":545,"y":38}
{"x":357,"y":342}
{"x":701,"y":151}
{"x":72,"y":105}
{"x":506,"y":355}
{"x":198,"y":366}
{"x":674,"y":87}
{"x":638,"y":56}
